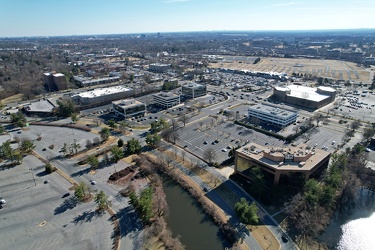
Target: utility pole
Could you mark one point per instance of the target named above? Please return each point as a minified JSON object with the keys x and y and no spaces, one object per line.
{"x":32,"y":173}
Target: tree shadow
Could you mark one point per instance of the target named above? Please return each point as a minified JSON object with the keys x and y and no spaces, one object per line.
{"x":238,"y":128}
{"x":229,"y":125}
{"x":86,"y":216}
{"x":81,"y":172}
{"x":129,"y":222}
{"x":41,"y":174}
{"x":68,"y":204}
{"x":247,"y":132}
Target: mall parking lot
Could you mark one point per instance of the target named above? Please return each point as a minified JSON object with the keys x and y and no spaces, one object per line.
{"x":38,"y":217}
{"x":220,"y":137}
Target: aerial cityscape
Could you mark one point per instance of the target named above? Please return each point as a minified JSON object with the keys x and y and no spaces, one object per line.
{"x":182,"y":124}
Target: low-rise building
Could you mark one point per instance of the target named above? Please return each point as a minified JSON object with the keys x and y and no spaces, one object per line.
{"x":129,"y":108}
{"x":102,"y":95}
{"x":193,"y":90}
{"x":159,"y":67}
{"x":281,"y":163}
{"x":88,"y":81}
{"x":272,"y":115}
{"x":166,"y":99}
{"x":43,"y":107}
{"x":312,"y":98}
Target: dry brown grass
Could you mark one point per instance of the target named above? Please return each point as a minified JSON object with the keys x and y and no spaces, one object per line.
{"x":318,"y":67}
{"x":13,"y":98}
{"x":264,"y":237}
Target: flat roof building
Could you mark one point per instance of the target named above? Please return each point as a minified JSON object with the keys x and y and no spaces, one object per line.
{"x":159,"y":67}
{"x":102,"y":95}
{"x":275,"y":116}
{"x":279,"y":163}
{"x":88,"y":81}
{"x":303,"y":96}
{"x":193,"y":90}
{"x":40,"y":108}
{"x":129,"y":108}
{"x":166,"y":100}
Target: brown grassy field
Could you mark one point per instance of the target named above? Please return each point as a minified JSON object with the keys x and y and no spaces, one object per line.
{"x":339,"y":70}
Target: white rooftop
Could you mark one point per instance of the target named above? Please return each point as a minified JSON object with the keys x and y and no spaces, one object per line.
{"x":307,"y":93}
{"x":327,"y":89}
{"x":103,"y":91}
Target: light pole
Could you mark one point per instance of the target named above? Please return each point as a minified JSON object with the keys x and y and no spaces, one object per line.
{"x":31,"y":170}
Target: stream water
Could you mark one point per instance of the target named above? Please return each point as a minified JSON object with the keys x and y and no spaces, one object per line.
{"x":187,"y":219}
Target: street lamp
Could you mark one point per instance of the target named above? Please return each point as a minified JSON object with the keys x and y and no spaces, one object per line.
{"x":31,"y":170}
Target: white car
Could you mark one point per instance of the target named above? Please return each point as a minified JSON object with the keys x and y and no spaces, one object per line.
{"x":93,"y":182}
{"x":2,"y":201}
{"x":224,"y":150}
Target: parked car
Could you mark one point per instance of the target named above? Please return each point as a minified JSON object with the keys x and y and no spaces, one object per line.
{"x":284,"y":238}
{"x":66,"y":195}
{"x":93,"y":182}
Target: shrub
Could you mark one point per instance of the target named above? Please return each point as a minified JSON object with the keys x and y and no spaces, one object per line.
{"x":49,"y":168}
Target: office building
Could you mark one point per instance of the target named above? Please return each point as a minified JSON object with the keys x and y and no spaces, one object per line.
{"x":280,"y":163}
{"x":55,"y":81}
{"x":129,"y":108}
{"x":166,"y":100}
{"x":275,"y":116}
{"x":193,"y":90}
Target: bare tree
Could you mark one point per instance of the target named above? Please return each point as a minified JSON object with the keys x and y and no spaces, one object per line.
{"x":200,"y":124}
{"x":174,"y":124}
{"x":183,"y":154}
{"x":209,"y":154}
{"x":355,"y":125}
{"x":184,"y":118}
{"x":175,"y":136}
{"x":318,"y":118}
{"x":88,"y":144}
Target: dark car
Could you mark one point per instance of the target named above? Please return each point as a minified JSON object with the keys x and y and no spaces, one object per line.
{"x":284,"y":237}
{"x":66,"y":195}
{"x":46,"y":181}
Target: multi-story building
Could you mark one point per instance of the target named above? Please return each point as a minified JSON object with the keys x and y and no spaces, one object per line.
{"x":55,"y":81}
{"x":281,"y":163}
{"x":166,"y":100}
{"x":275,"y":116}
{"x":193,"y":90}
{"x":159,"y":67}
{"x":129,"y":108}
{"x":102,"y":95}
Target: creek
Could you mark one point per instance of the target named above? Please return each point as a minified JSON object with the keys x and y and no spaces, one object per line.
{"x":188,"y":220}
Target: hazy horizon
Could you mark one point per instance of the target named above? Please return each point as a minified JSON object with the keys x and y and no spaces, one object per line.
{"x":25,"y":18}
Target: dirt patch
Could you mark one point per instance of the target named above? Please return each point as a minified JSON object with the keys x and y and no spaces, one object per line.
{"x":120,"y":174}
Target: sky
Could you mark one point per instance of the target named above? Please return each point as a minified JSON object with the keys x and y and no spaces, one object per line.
{"x":86,"y":17}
